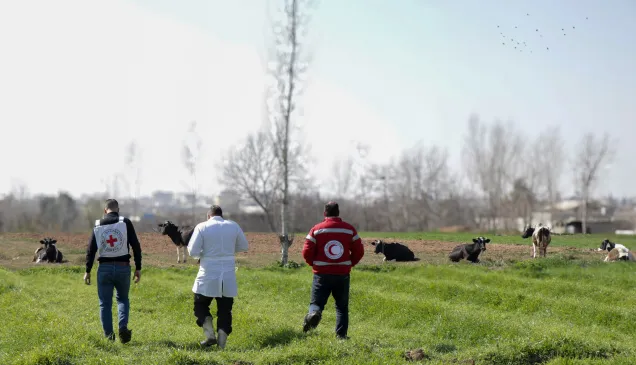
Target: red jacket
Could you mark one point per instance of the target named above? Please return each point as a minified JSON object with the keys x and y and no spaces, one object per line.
{"x":333,"y":247}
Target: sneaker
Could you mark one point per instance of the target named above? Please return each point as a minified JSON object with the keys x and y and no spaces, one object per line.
{"x":111,"y":337}
{"x":125,"y":335}
{"x":311,"y":321}
{"x":342,"y":337}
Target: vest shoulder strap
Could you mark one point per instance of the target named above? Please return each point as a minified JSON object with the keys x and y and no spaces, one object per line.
{"x":97,"y":223}
{"x":121,"y":218}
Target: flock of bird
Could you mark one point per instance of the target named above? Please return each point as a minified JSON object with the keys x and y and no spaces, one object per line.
{"x":521,"y":45}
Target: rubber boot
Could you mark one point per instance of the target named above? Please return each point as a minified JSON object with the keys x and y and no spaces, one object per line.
{"x":208,"y":331}
{"x":222,"y":339}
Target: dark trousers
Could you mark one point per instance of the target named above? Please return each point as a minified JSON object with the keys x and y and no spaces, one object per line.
{"x":325,"y":285}
{"x":223,"y":311}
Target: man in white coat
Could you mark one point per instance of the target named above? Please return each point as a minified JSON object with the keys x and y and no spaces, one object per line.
{"x":215,"y":242}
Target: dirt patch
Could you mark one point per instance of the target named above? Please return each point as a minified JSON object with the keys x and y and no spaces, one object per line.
{"x":17,"y":249}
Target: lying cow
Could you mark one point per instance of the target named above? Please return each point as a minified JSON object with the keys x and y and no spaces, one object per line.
{"x":48,"y":252}
{"x":541,"y":238}
{"x":393,"y":251}
{"x":616,"y":251}
{"x":469,"y":251}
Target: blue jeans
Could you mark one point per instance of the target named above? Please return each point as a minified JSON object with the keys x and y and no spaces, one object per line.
{"x":325,"y":285}
{"x":111,"y":277}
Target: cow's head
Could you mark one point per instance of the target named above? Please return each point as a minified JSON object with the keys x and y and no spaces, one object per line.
{"x":48,"y":242}
{"x":379,"y":246}
{"x":607,"y":245}
{"x":481,"y":242}
{"x":527,"y":232}
{"x":168,"y":228}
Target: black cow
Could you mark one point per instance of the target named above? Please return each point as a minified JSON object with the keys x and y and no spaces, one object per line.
{"x":48,"y":252}
{"x":178,"y":237}
{"x":469,"y":251}
{"x":527,"y":232}
{"x":394,"y":251}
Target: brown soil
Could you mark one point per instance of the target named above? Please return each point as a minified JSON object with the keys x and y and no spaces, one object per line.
{"x":16,"y":249}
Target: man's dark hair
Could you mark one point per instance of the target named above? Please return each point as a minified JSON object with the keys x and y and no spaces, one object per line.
{"x":215,"y":210}
{"x":112,"y":205}
{"x":332,"y":209}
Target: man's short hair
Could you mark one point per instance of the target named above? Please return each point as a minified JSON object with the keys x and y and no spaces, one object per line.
{"x":215,"y":210}
{"x":332,"y":209}
{"x":112,"y":205}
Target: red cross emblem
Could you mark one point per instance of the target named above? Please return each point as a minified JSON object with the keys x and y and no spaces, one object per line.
{"x":111,"y":241}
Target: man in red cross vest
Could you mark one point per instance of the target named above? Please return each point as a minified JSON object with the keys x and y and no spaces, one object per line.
{"x":112,"y":238}
{"x":332,"y":248}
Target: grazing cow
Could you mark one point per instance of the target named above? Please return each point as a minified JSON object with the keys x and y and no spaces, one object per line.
{"x":48,"y":252}
{"x":616,"y":251}
{"x":541,"y":238}
{"x":469,"y":251}
{"x":394,"y":251}
{"x":178,"y":237}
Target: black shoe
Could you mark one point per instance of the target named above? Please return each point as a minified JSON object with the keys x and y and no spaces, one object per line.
{"x":209,"y":342}
{"x":111,"y":337}
{"x":342,"y":337}
{"x":311,"y":321}
{"x":125,"y":335}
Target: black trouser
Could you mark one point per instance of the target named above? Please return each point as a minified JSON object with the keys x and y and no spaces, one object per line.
{"x":338,"y":286}
{"x":223,"y":311}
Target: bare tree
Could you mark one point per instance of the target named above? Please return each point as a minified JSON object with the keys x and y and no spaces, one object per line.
{"x":343,"y":176}
{"x":552,"y":158}
{"x":133,"y":164}
{"x":288,"y":69}
{"x":419,"y":181}
{"x":112,"y":184}
{"x":364,"y":184}
{"x":591,"y":157}
{"x":491,"y":161}
{"x":16,"y":212}
{"x":252,"y":169}
{"x":190,"y":153}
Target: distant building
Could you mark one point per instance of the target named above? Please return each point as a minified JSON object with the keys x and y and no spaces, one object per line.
{"x":565,"y":217}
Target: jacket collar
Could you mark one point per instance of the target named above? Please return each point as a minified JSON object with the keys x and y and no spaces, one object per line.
{"x":216,"y":218}
{"x":112,"y":214}
{"x":333,"y":219}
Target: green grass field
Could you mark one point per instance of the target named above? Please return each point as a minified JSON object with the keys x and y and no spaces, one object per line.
{"x":570,"y":308}
{"x":557,"y":310}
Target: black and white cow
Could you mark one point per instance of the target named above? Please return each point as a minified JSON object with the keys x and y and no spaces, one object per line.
{"x":393,"y":251}
{"x":616,"y":251}
{"x":178,"y":237}
{"x":541,"y":238}
{"x":48,"y":252}
{"x":469,"y":251}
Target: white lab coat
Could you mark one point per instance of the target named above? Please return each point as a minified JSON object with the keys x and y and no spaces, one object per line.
{"x":215,"y":242}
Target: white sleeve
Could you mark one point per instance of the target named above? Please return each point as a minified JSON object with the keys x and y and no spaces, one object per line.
{"x":195,"y":246}
{"x":241,"y":244}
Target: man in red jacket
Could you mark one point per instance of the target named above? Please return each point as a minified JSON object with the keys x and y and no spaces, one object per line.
{"x":332,"y":248}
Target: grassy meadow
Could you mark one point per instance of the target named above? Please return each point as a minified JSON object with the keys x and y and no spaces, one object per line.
{"x":558,"y":310}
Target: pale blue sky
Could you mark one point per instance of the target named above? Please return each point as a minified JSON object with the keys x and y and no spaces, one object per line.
{"x":389,"y":73}
{"x":426,"y":65}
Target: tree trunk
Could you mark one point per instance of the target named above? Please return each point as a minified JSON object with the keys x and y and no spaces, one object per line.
{"x":584,"y":213}
{"x":284,"y":237}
